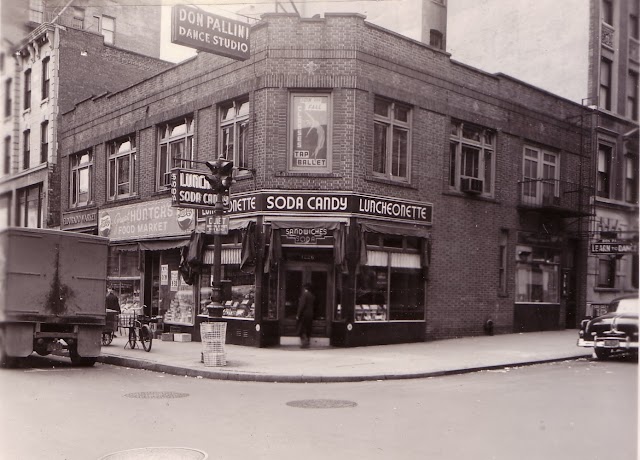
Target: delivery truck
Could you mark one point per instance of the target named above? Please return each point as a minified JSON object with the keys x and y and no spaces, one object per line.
{"x":52,"y":294}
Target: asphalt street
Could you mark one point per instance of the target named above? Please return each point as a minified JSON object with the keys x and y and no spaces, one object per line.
{"x":573,"y":409}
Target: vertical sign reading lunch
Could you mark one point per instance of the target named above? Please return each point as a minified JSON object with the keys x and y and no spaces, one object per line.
{"x":310,"y":133}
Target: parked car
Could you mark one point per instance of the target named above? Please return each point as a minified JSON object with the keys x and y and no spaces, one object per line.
{"x":614,"y":332}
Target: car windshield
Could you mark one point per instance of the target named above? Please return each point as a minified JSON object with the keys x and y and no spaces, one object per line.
{"x":627,"y":306}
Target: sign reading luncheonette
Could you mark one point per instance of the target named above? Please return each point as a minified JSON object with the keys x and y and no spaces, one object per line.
{"x":209,"y":32}
{"x":330,"y":203}
{"x":190,"y":189}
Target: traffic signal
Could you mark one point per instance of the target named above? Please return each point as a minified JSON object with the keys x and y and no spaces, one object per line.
{"x":221,"y":176}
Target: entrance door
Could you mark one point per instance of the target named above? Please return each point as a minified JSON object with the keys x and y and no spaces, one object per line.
{"x":293,"y":276}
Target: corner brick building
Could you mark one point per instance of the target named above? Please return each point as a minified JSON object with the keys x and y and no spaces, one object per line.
{"x":421,"y":198}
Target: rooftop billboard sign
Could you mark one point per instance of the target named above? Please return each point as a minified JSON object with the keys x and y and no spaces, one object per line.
{"x":209,"y":32}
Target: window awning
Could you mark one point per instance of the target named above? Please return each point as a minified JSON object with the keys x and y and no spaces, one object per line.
{"x":395,"y":229}
{"x":152,"y":245}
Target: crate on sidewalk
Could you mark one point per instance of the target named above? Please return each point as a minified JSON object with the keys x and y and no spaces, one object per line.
{"x":167,"y":337}
{"x":182,"y":337}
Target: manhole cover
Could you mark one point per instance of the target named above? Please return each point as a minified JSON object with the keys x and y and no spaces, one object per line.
{"x":158,"y":453}
{"x":321,"y":403}
{"x":157,"y":395}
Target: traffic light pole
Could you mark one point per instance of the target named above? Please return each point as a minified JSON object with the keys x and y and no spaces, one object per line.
{"x":215,"y":309}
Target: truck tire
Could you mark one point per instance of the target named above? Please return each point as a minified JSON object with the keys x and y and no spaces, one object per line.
{"x":6,"y":361}
{"x":80,"y":361}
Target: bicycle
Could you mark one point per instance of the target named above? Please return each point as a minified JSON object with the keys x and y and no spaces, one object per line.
{"x":139,"y":330}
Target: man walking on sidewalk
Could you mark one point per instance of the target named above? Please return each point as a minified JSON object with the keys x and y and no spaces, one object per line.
{"x":304,"y":316}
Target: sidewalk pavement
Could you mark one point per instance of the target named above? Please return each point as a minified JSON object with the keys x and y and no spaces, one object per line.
{"x":290,"y":363}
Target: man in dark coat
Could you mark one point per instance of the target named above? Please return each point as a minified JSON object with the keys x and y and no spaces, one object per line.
{"x":304,"y":316}
{"x":112,"y":302}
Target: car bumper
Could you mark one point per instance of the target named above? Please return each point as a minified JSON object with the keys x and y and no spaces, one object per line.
{"x":614,"y":344}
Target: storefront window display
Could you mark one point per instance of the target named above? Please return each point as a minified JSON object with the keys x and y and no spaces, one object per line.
{"x":175,"y":298}
{"x":537,"y":274}
{"x":390,"y":288}
{"x":123,"y":277}
{"x":238,"y":292}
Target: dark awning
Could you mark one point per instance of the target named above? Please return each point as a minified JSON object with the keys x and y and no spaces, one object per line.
{"x":395,"y":229}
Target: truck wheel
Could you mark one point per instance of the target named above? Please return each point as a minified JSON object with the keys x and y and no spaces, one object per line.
{"x":6,"y":361}
{"x":82,"y":361}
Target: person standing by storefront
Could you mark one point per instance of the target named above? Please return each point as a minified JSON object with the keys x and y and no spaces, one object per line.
{"x":304,"y":316}
{"x":112,"y":302}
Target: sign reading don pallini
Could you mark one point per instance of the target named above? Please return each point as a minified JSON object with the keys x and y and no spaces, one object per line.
{"x":209,"y":32}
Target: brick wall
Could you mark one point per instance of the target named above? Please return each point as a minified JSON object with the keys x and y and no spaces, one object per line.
{"x":354,"y":62}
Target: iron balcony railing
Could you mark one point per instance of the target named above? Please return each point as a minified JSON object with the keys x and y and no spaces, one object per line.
{"x":557,"y":196}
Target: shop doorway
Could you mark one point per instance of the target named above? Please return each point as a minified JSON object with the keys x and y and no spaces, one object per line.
{"x":293,"y":276}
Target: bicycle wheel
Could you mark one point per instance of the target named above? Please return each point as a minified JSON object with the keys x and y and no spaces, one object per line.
{"x":146,"y":337}
{"x":132,"y":337}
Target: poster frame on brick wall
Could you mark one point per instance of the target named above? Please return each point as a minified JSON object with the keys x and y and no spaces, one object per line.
{"x":310,"y":123}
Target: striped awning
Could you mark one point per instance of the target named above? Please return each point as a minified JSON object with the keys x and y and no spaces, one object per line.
{"x":228,"y":256}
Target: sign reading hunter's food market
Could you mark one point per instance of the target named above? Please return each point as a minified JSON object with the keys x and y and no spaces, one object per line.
{"x":209,"y":32}
{"x":190,"y":189}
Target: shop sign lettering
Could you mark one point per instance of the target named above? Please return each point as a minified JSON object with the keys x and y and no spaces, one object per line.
{"x":614,"y":247}
{"x":78,"y":219}
{"x":143,"y":220}
{"x":306,"y":236}
{"x":190,"y":189}
{"x":329,"y":203}
{"x":209,"y":32}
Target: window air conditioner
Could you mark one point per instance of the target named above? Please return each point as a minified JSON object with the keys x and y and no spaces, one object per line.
{"x":471,"y":185}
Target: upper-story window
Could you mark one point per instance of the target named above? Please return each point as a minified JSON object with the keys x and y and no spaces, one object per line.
{"x":8,"y":101}
{"x":44,"y":141}
{"x":634,"y":24}
{"x":234,"y":124}
{"x":632,"y":95}
{"x":122,"y":168}
{"x":81,"y":179}
{"x":603,"y":181}
{"x":436,"y":39}
{"x":107,"y":27}
{"x":392,"y":140}
{"x":26,"y":149}
{"x":607,"y":11}
{"x":7,"y":155}
{"x":605,"y":84}
{"x":175,"y":148}
{"x":472,"y":158}
{"x":631,"y":179}
{"x":541,"y":173}
{"x":27,"y":89}
{"x":45,"y":77}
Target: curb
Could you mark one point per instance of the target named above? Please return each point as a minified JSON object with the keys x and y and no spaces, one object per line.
{"x":272,"y":378}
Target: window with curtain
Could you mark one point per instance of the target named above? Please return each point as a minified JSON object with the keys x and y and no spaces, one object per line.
{"x":234,"y":124}
{"x":175,"y":148}
{"x":122,"y":170}
{"x":26,"y":149}
{"x":81,"y":179}
{"x":27,"y":89}
{"x":392,"y":140}
{"x":45,"y":78}
{"x":44,"y":141}
{"x":603,"y":182}
{"x":472,"y":158}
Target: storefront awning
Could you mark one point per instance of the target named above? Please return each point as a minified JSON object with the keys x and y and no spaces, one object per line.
{"x":155,"y":245}
{"x":395,"y":229}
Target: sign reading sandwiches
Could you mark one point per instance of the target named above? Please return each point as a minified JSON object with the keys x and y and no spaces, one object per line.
{"x":209,"y":32}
